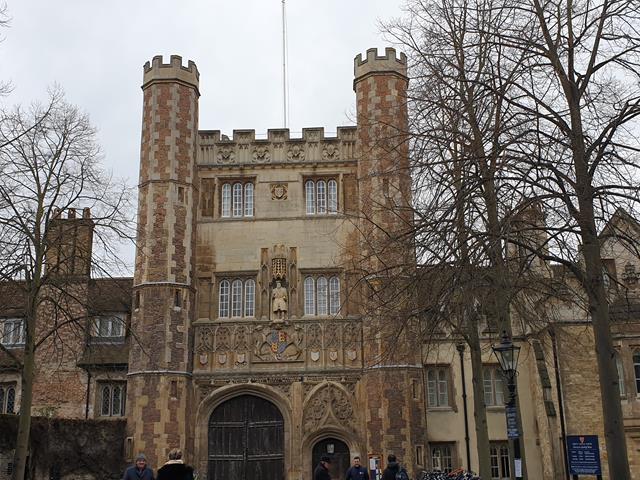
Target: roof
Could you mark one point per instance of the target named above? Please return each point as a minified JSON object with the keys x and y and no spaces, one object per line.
{"x":105,"y":355}
{"x":110,"y":295}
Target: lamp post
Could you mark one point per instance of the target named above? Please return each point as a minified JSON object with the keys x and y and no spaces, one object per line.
{"x":507,"y":354}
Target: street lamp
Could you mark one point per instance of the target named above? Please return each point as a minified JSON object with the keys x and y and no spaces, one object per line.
{"x":507,"y":354}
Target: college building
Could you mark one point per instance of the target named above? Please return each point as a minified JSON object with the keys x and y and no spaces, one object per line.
{"x":243,"y":337}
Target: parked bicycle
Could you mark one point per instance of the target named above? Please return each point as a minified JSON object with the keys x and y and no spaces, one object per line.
{"x":458,"y":474}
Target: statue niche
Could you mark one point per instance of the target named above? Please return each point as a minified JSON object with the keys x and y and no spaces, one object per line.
{"x":279,"y":295}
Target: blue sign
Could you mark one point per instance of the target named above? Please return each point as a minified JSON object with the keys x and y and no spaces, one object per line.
{"x":512,"y":422}
{"x":584,"y":455}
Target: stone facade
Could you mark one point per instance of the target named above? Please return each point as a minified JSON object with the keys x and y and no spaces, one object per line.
{"x":249,"y":259}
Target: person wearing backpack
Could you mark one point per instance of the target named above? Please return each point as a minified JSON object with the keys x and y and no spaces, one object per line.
{"x":394,"y":471}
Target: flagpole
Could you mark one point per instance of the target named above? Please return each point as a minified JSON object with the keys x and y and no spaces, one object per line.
{"x":284,"y":67}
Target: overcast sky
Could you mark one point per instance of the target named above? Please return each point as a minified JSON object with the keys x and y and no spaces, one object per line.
{"x":95,"y":49}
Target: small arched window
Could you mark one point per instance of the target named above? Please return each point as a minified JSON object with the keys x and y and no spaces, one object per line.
{"x":236,"y":298}
{"x":226,"y":200}
{"x":237,"y":199}
{"x":106,"y":401}
{"x":310,"y":197}
{"x":322,"y":288}
{"x":249,"y":298}
{"x":11,"y":400}
{"x":334,"y":295}
{"x":321,"y":189}
{"x":248,"y":200}
{"x":332,"y":196}
{"x":309,"y":296}
{"x":223,"y":303}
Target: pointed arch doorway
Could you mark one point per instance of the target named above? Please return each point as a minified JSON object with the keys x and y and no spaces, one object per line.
{"x":339,"y":453}
{"x":246,"y":440}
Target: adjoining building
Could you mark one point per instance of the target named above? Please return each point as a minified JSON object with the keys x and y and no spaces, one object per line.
{"x":242,"y":337}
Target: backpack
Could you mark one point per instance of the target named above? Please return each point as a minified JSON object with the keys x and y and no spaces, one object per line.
{"x":402,"y":474}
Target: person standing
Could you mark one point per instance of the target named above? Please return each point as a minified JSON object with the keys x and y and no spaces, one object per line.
{"x":322,"y":470}
{"x":394,"y":471}
{"x":140,"y":470}
{"x":357,"y":471}
{"x":175,"y":468}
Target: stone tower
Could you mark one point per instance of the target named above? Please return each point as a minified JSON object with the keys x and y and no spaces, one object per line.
{"x":393,"y":379}
{"x":159,"y":379}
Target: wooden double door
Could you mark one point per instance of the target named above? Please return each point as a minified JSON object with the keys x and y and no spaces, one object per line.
{"x":246,"y":440}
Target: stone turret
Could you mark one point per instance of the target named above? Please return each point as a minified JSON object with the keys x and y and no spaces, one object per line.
{"x":159,"y":387}
{"x":393,"y":379}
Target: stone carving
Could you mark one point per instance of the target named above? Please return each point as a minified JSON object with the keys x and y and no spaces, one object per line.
{"x":314,"y":336}
{"x":278,"y":344}
{"x":261,"y":155}
{"x":279,"y":299}
{"x":330,"y":152}
{"x":223,"y":339}
{"x":226,"y":155}
{"x":329,"y":404}
{"x":630,"y":275}
{"x":296,"y":153}
{"x":279,"y":268}
{"x":278,"y":191}
{"x":205,"y":340}
{"x":242,"y":333}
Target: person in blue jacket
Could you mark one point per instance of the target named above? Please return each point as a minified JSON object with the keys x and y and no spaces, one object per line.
{"x":139,"y":471}
{"x":357,"y":471}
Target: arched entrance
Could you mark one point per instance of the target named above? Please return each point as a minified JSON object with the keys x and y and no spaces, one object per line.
{"x":338,"y":451}
{"x":246,"y":440}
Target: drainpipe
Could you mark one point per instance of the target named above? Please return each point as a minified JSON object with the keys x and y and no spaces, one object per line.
{"x":563,"y":433}
{"x":86,"y":408}
{"x":460,"y":347}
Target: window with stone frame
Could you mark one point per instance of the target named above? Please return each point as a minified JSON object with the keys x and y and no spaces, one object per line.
{"x":494,"y":385}
{"x":111,"y":399}
{"x":499,"y":460}
{"x":442,"y":457}
{"x":438,"y":379}
{"x":321,"y":295}
{"x":8,"y":398}
{"x":237,"y":199}
{"x":321,"y":196}
{"x":236,"y":297}
{"x":108,"y":328}
{"x":12,"y":332}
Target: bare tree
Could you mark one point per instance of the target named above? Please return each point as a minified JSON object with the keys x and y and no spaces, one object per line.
{"x":50,"y":161}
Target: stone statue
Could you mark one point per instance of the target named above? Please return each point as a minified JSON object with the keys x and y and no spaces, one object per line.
{"x":279,"y":302}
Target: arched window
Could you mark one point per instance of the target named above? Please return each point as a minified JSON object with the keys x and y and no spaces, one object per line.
{"x":636,"y":370}
{"x":321,"y":189}
{"x":11,"y":400}
{"x":620,"y":371}
{"x":334,"y":295}
{"x":332,"y":196}
{"x":226,"y":200}
{"x":323,"y":294}
{"x":237,"y":199}
{"x":310,"y":198}
{"x":116,"y":400}
{"x":112,"y":399}
{"x":309,"y":296}
{"x":249,"y":298}
{"x":248,"y":200}
{"x":223,"y":303}
{"x":236,"y":298}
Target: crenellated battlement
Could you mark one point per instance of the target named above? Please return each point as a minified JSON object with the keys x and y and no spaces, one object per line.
{"x":174,"y":71}
{"x":373,"y":62}
{"x":279,"y":147}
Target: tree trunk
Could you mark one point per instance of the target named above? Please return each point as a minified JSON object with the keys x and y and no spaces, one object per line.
{"x":611,"y":408}
{"x":24,"y":419}
{"x":479,"y":408}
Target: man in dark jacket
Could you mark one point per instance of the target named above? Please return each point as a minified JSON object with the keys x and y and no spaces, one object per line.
{"x":175,"y":468}
{"x":357,"y":472}
{"x":139,"y":471}
{"x":394,"y":471}
{"x":322,"y":470}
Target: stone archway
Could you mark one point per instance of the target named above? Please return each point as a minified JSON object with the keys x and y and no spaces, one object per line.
{"x":221,"y":395}
{"x":335,"y":449}
{"x":246,"y":440}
